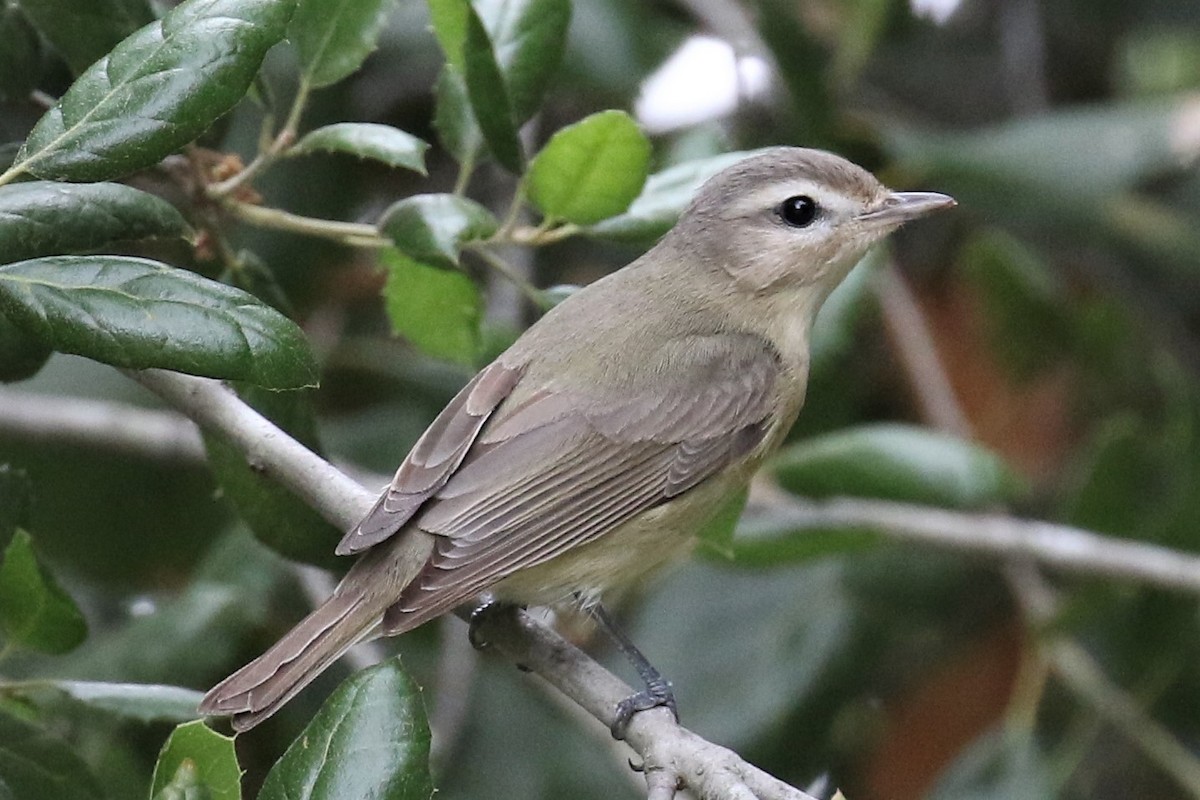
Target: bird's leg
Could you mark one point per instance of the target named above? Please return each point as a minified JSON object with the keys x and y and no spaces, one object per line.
{"x":658,"y":689}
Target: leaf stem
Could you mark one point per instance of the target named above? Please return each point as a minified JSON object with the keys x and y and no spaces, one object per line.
{"x":465,"y":170}
{"x":354,"y":234}
{"x":501,"y":266}
{"x":268,"y":155}
{"x":10,"y":173}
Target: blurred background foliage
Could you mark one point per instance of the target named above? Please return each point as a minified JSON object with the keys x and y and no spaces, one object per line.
{"x":1061,"y":300}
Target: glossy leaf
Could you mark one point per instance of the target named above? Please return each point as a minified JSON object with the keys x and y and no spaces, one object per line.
{"x":665,"y":196}
{"x":21,"y":356}
{"x":156,"y":91}
{"x":454,"y":119}
{"x":184,"y":785}
{"x":20,"y":57}
{"x":135,"y":313}
{"x":34,"y":610}
{"x":140,"y":701}
{"x":434,"y":227}
{"x":528,"y":38}
{"x":41,"y":218}
{"x":84,"y":30}
{"x":383,"y":143}
{"x":35,"y":764}
{"x":449,"y":18}
{"x":212,"y":754}
{"x":370,"y":739}
{"x":333,"y":39}
{"x":277,"y":517}
{"x":437,"y":310}
{"x":896,"y":462}
{"x":489,"y":96}
{"x":591,"y":170}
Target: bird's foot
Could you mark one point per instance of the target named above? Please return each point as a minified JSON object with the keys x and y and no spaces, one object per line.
{"x":657,"y":693}
{"x":490,"y":607}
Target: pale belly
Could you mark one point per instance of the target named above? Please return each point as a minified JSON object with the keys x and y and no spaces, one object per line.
{"x":625,"y":557}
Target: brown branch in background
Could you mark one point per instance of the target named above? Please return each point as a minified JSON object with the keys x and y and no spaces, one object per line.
{"x":914,"y":346}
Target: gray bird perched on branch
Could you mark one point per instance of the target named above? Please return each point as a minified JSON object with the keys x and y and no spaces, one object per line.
{"x":589,"y":453}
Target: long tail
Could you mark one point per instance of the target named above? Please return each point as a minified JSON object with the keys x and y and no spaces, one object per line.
{"x":353,"y":613}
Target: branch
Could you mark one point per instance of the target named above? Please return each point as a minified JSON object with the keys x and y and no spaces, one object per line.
{"x":672,"y":755}
{"x":114,"y":427}
{"x":1047,"y":543}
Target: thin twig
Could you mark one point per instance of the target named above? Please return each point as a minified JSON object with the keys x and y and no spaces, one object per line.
{"x":354,"y":234}
{"x":1050,"y":544}
{"x":502,"y":267}
{"x":268,"y":155}
{"x":113,"y":427}
{"x":1076,"y":668}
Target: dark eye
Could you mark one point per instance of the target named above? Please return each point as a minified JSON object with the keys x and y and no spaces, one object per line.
{"x":798,"y":211}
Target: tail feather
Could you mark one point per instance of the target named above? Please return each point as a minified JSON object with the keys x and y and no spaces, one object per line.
{"x":353,"y":613}
{"x":258,"y":689}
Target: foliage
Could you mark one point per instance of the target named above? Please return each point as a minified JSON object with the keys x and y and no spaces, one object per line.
{"x":174,"y":193}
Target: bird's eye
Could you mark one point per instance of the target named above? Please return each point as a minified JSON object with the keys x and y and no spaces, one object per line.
{"x":798,"y":211}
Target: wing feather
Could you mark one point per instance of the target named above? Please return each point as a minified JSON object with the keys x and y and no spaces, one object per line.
{"x":561,"y":469}
{"x":434,"y":458}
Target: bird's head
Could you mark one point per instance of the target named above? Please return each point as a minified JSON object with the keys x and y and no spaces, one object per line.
{"x":792,"y":217}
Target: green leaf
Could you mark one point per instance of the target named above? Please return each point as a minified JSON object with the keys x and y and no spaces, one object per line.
{"x":20,"y":57}
{"x":156,"y":91}
{"x":370,"y":739}
{"x":21,"y":356}
{"x":591,"y":170}
{"x":489,"y":96}
{"x":384,"y":143}
{"x":140,"y":701}
{"x":42,"y":218}
{"x":449,"y":18}
{"x":453,"y":117}
{"x":34,"y":611}
{"x":896,"y":462}
{"x":185,"y":785}
{"x":16,"y":495}
{"x":212,"y":755}
{"x":36,"y":765}
{"x":277,"y":517}
{"x":135,"y":313}
{"x":438,"y":311}
{"x":528,"y":38}
{"x":665,"y":196}
{"x":434,"y":227}
{"x":84,"y":30}
{"x":334,"y":38}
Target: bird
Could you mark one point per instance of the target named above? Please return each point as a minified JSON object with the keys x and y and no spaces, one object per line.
{"x":586,"y":456}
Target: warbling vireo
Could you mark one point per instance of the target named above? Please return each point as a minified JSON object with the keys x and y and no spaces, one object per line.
{"x":589,"y":454}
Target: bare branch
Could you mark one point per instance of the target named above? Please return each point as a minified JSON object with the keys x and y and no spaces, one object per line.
{"x":670,"y":753}
{"x":215,"y":407}
{"x":143,"y":432}
{"x":1047,"y":543}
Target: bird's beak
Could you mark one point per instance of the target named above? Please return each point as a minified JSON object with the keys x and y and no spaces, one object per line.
{"x":899,"y":207}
